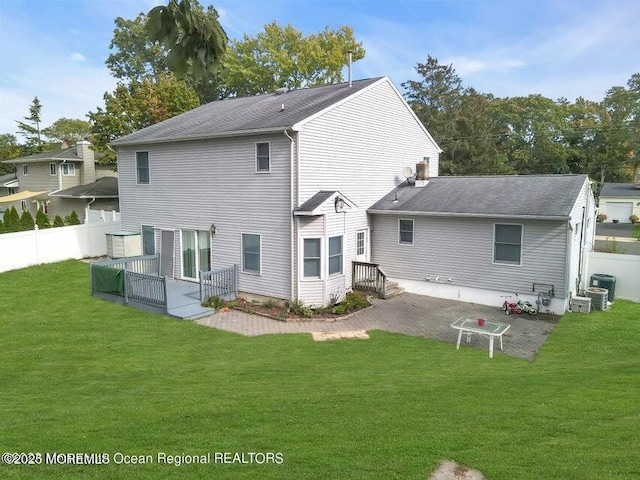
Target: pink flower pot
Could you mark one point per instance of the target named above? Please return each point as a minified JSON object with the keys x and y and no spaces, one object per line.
{"x":481,"y":322}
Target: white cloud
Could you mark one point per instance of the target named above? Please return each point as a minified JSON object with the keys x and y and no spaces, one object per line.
{"x":77,"y":57}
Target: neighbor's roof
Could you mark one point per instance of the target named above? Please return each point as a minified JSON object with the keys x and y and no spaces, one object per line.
{"x":246,"y":115}
{"x":625,"y":190}
{"x":105,"y":187}
{"x":503,"y":196}
{"x":68,"y":154}
{"x":11,"y":177}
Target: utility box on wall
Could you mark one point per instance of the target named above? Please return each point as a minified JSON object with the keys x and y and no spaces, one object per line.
{"x":123,"y":244}
{"x":581,"y":304}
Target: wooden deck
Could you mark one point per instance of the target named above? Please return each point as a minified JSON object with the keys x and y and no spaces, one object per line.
{"x":183,"y":300}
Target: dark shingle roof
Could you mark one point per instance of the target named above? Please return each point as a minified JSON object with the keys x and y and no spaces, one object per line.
{"x":620,"y":190}
{"x":315,"y":201}
{"x":106,"y":187}
{"x":533,"y":196}
{"x":7,"y":178}
{"x":59,"y":154}
{"x":246,"y":114}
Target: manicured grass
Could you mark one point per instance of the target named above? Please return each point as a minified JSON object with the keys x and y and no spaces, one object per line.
{"x":636,"y":231}
{"x":82,"y":375}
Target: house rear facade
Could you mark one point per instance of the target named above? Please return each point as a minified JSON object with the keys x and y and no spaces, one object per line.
{"x":479,"y":239}
{"x":278,"y":184}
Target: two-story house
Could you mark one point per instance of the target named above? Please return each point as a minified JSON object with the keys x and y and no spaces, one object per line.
{"x":278,"y":184}
{"x":295,"y":186}
{"x":50,"y":180}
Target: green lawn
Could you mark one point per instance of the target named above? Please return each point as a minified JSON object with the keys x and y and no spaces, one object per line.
{"x":82,"y":375}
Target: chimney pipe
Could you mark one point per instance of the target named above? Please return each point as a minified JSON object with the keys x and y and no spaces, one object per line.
{"x":422,"y":172}
{"x":350,"y":61}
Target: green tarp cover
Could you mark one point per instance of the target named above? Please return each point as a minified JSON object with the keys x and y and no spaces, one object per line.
{"x":108,"y":280}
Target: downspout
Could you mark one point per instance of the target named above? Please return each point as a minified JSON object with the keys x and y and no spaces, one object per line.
{"x":581,"y":254}
{"x":87,"y":209}
{"x":567,"y":265}
{"x":292,"y":219}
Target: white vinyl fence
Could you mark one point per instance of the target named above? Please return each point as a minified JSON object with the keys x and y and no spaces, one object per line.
{"x":626,"y":269}
{"x":23,"y":249}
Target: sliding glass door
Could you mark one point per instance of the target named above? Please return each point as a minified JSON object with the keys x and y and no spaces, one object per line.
{"x":196,"y":253}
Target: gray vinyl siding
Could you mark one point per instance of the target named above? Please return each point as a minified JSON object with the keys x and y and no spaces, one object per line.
{"x":462,"y":249}
{"x":38,"y":178}
{"x":196,"y":184}
{"x":359,"y":149}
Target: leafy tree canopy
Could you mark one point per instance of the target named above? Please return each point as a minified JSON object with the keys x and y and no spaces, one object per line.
{"x":68,"y":130}
{"x":9,"y":148}
{"x":137,"y":105}
{"x":282,"y":57}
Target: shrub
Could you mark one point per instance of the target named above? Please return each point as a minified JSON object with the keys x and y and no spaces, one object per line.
{"x":215,"y":302}
{"x":297,"y":307}
{"x":271,"y":303}
{"x":42,"y":220}
{"x":602,"y":217}
{"x":1,"y":226}
{"x":58,"y":222}
{"x":351,"y":303}
{"x":73,"y":218}
{"x":634,"y":219}
{"x":26,"y":221}
{"x":11,"y":220}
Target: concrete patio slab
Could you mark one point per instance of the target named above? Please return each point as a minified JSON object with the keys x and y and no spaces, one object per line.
{"x":407,"y":314}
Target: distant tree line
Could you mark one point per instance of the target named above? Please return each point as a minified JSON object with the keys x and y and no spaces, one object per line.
{"x":178,"y":57}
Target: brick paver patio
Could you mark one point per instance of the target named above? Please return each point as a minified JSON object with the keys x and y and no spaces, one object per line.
{"x":408,"y":314}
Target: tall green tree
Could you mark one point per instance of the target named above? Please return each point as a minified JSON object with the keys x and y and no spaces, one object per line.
{"x":30,"y":128}
{"x":194,"y":39}
{"x":136,"y":105}
{"x":68,"y":130}
{"x":136,"y":56}
{"x":9,"y":148}
{"x":461,"y":120}
{"x":283,"y":57}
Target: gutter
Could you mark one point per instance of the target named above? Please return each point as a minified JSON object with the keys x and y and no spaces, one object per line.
{"x":467,"y":215}
{"x":209,"y":136}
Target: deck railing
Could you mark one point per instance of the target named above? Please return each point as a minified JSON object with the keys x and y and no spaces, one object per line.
{"x":144,"y":288}
{"x":222,"y":282}
{"x":139,"y":280}
{"x":369,"y":276}
{"x":149,"y":264}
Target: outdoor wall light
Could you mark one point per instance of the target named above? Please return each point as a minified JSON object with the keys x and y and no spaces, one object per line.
{"x":213,"y":229}
{"x":339,"y":203}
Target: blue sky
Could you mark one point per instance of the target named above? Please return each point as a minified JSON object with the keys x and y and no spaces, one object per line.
{"x":56,"y":49}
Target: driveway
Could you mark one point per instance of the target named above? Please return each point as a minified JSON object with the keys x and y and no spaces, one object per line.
{"x":408,"y":314}
{"x":614,"y":229}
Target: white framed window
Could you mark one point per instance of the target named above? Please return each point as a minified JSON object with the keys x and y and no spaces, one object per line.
{"x":148,"y":240}
{"x":53,"y":169}
{"x":142,"y":168}
{"x":251,"y":253}
{"x":507,"y":243}
{"x":263,"y":157}
{"x":335,"y":255}
{"x":25,"y":169}
{"x":23,"y":205}
{"x":312,"y":258}
{"x":361,"y":237}
{"x":405,"y":231}
{"x":68,"y":169}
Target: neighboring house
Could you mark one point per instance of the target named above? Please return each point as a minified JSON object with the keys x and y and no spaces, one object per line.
{"x":47,"y":181}
{"x":288,"y":186}
{"x":477,"y":239}
{"x":618,"y":201}
{"x":8,"y":186}
{"x":278,"y":184}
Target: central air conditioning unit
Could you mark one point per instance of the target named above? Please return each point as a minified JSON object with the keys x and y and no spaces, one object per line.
{"x":599,"y":297}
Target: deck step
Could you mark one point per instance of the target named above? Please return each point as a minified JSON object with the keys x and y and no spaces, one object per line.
{"x":393,"y":290}
{"x":190,"y":312}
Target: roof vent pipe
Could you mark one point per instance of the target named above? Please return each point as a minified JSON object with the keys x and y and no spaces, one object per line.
{"x":350,"y":61}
